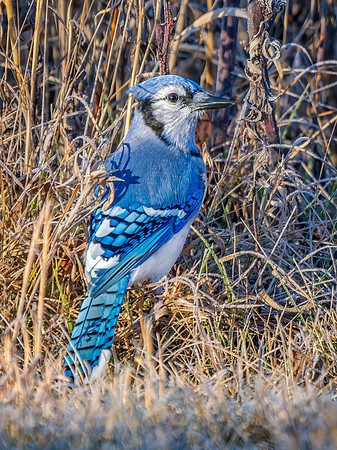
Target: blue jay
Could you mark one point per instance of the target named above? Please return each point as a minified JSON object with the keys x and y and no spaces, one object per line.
{"x":141,"y":233}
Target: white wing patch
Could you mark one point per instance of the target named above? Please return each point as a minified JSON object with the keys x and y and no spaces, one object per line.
{"x":180,"y":213}
{"x":114,"y":211}
{"x":104,"y":229}
{"x":95,"y":261}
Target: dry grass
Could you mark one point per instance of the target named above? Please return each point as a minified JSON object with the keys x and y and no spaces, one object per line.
{"x":240,"y":347}
{"x":113,"y":416}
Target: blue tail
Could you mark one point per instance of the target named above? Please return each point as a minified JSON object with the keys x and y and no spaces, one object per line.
{"x":95,"y":327}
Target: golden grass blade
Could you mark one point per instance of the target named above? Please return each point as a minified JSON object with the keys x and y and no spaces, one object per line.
{"x":43,"y":278}
{"x":13,"y":40}
{"x":135,"y":65}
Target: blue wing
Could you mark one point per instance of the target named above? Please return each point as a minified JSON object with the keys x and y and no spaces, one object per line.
{"x":123,"y":238}
{"x":159,"y":193}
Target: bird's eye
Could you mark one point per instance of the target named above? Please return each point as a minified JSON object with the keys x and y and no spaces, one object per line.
{"x":173,"y":98}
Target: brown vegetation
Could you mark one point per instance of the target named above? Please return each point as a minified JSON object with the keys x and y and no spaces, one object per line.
{"x":240,"y":346}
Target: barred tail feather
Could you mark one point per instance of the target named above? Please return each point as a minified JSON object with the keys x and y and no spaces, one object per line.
{"x":94,"y":329}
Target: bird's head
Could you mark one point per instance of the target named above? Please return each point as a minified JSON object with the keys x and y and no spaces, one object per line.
{"x":170,"y":106}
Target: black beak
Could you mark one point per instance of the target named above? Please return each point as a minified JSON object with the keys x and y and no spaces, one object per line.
{"x":203,"y":101}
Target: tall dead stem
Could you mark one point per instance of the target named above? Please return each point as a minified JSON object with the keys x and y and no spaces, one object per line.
{"x":135,"y":63}
{"x":13,"y":39}
{"x":31,"y":106}
{"x":164,"y":30}
{"x":43,"y":279}
{"x":259,"y":98}
{"x":226,"y":64}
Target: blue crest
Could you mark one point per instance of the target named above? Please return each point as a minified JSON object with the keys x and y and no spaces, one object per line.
{"x":148,"y":88}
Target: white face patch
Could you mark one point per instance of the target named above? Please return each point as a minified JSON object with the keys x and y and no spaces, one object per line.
{"x":169,"y":110}
{"x":171,"y":115}
{"x":179,"y":123}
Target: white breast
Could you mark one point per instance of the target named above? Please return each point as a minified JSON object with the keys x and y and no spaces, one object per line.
{"x":161,"y":262}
